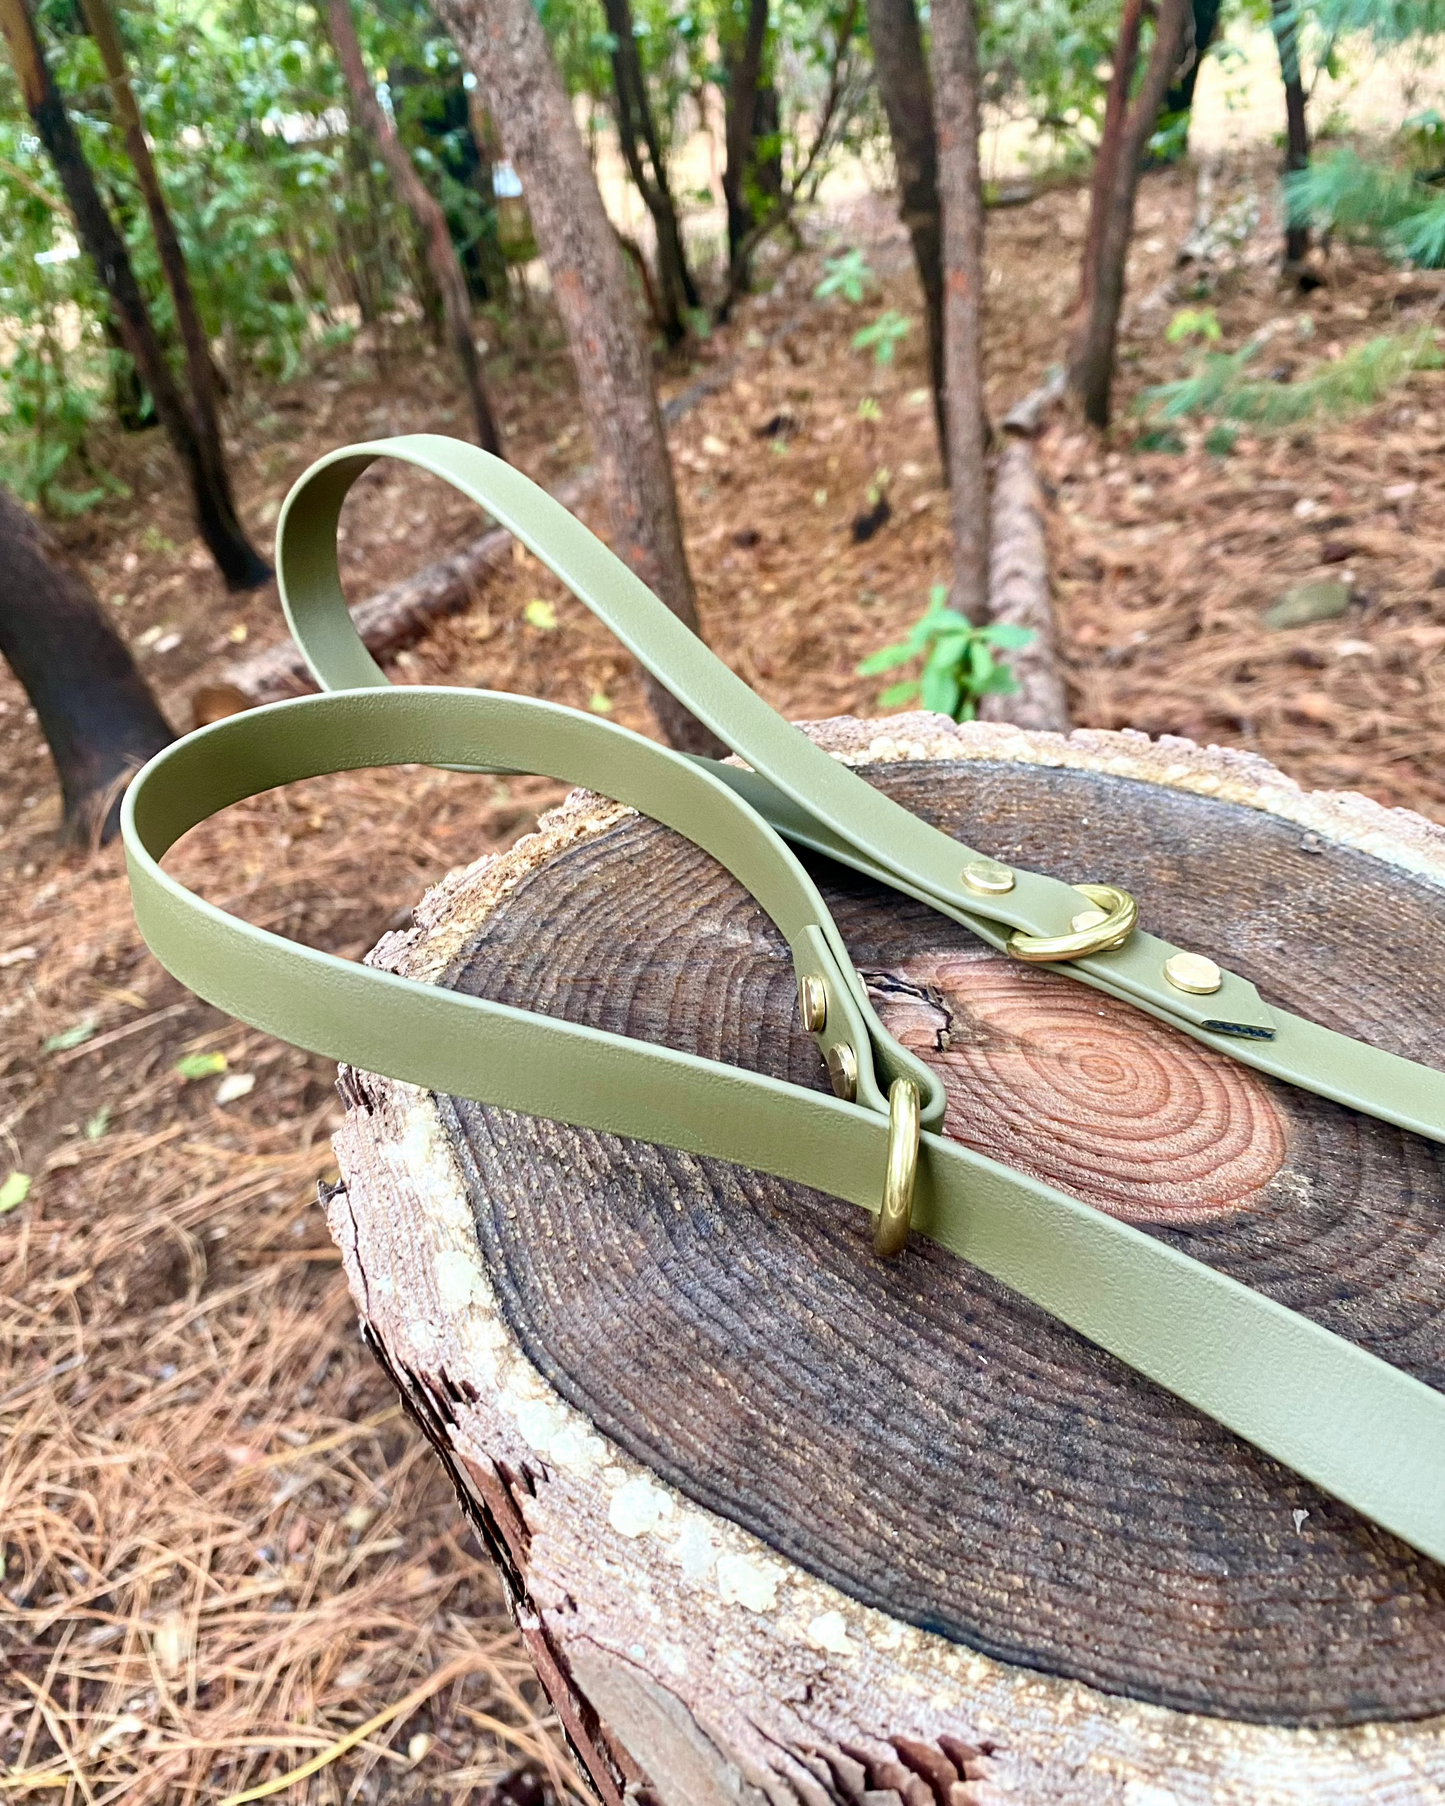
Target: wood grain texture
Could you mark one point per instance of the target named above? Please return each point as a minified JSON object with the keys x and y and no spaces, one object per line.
{"x":914,"y":1443}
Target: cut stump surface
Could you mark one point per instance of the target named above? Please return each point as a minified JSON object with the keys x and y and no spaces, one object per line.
{"x":781,"y":1522}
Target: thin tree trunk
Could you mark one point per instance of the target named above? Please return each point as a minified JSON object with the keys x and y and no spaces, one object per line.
{"x":743,"y":62}
{"x":1116,"y":185}
{"x":1106,"y":158}
{"x":907,"y":94}
{"x":1204,"y":16}
{"x":507,"y":49}
{"x":240,"y":564}
{"x":431,"y":222}
{"x":637,"y":132}
{"x":809,"y":171}
{"x":200,"y":372}
{"x":98,"y":717}
{"x":956,"y":111}
{"x":1285,"y":21}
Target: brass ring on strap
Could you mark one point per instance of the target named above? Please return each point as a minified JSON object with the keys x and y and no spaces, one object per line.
{"x":890,"y":1232}
{"x":1099,"y":930}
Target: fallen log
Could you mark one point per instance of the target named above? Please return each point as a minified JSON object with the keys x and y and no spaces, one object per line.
{"x":1018,"y":567}
{"x":784,"y":1524}
{"x":1018,"y":593}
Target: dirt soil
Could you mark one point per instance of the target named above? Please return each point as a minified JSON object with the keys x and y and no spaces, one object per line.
{"x":224,"y":1549}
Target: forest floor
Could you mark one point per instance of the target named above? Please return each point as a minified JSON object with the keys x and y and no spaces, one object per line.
{"x":223,"y":1546}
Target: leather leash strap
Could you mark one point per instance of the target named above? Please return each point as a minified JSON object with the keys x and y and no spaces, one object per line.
{"x":1359,"y":1428}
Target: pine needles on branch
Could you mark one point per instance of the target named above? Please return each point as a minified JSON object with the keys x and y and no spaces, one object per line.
{"x":1396,"y":208}
{"x":1224,"y":387}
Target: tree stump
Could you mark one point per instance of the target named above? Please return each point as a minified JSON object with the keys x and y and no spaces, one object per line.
{"x":783,"y":1523}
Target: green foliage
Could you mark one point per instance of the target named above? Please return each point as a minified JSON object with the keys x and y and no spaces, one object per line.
{"x":286,"y":217}
{"x":1194,"y":323}
{"x":1159,"y":439}
{"x":1223,"y":386}
{"x":13,"y":1192}
{"x":882,"y":336}
{"x":846,"y":274}
{"x":1044,"y":60}
{"x":960,"y":663}
{"x":1384,"y":203}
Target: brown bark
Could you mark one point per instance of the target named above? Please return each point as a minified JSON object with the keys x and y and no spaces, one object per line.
{"x":742,"y":56}
{"x":1127,"y":128}
{"x":956,"y":113}
{"x":1018,"y":593}
{"x":804,"y":184}
{"x":508,"y":51}
{"x":907,"y":95}
{"x":240,"y":564}
{"x":98,"y":716}
{"x":1106,"y":158}
{"x":1285,"y":21}
{"x":785,"y":1524}
{"x":426,"y":211}
{"x":637,"y":133}
{"x":200,"y":373}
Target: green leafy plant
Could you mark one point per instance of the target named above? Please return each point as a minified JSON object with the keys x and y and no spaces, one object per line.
{"x":14,"y":1192}
{"x":1159,"y":439}
{"x":960,"y":662}
{"x":75,"y":1036}
{"x":882,"y":336}
{"x":1194,"y":323}
{"x":847,"y":275}
{"x":1224,"y":387}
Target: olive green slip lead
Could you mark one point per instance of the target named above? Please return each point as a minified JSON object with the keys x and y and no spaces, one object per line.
{"x":1358,"y":1427}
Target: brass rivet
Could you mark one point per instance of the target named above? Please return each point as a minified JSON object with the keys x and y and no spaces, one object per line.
{"x":813,"y":1002}
{"x":1194,"y":973}
{"x":843,"y":1071}
{"x":1087,"y":918}
{"x":988,"y":877}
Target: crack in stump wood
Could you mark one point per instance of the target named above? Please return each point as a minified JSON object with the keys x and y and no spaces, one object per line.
{"x":1083,"y":1092}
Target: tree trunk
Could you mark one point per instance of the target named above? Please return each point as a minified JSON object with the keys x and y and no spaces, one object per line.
{"x":907,"y":96}
{"x":509,"y":54}
{"x":1127,"y":128}
{"x":200,"y":372}
{"x":956,"y":112}
{"x":239,"y":563}
{"x":1204,"y":15}
{"x":431,"y":222}
{"x":637,"y":132}
{"x":134,"y":408}
{"x":98,"y":717}
{"x":742,"y":57}
{"x":784,"y":1523}
{"x":1284,"y":17}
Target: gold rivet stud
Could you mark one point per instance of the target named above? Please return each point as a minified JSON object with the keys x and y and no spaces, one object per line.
{"x":843,"y":1071}
{"x":813,"y":1002}
{"x":988,"y":878}
{"x":1194,"y":973}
